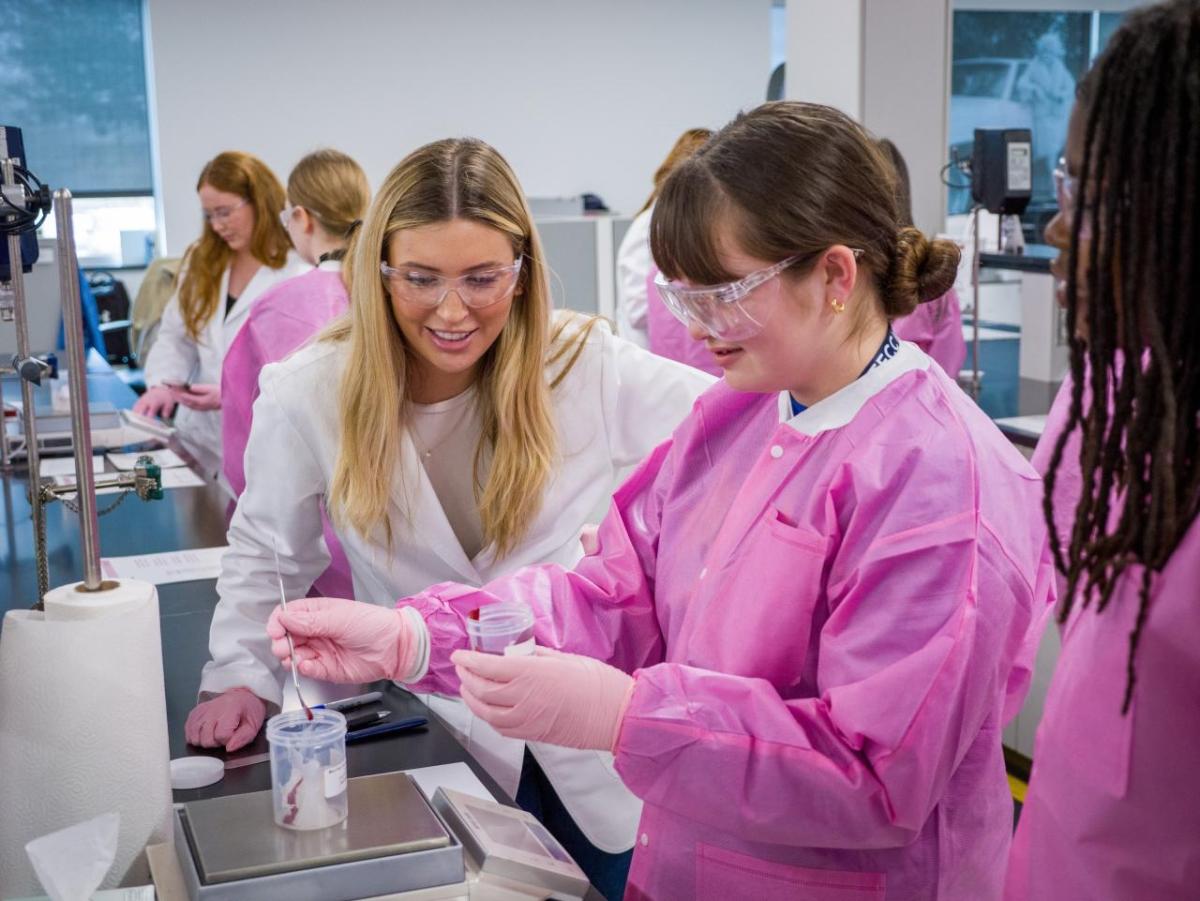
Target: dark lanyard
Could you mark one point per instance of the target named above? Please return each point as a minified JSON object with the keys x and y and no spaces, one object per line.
{"x":887,"y":350}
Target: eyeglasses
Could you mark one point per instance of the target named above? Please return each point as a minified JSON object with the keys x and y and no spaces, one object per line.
{"x":286,"y":214}
{"x":1066,"y":192}
{"x":477,"y":290}
{"x":221,"y":213}
{"x":1066,"y":186}
{"x":724,"y":311}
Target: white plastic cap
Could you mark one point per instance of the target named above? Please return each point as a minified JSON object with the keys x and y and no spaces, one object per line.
{"x":196,"y":772}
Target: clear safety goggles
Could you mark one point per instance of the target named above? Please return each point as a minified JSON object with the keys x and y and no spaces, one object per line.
{"x":727,"y":311}
{"x":221,"y":213}
{"x":286,"y":214}
{"x":477,"y":290}
{"x":1066,"y":192}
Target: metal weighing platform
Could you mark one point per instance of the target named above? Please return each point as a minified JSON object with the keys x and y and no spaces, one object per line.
{"x":230,"y":849}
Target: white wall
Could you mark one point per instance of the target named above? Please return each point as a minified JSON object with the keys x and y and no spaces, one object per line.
{"x":824,"y":53}
{"x":579,"y":96}
{"x":906,"y":85}
{"x":885,"y":63}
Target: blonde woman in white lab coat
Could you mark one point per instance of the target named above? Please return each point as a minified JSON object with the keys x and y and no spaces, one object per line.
{"x":243,"y":251}
{"x":456,"y":429}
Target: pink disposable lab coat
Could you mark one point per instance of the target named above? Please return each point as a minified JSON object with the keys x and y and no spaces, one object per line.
{"x":283,"y":319}
{"x":1113,"y":810}
{"x":936,"y":328}
{"x":669,"y":337}
{"x":830,"y":618}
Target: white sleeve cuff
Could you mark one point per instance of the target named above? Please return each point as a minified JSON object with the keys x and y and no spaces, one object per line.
{"x":421,"y":633}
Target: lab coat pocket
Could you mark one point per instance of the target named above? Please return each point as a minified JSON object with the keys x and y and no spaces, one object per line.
{"x":785,"y":529}
{"x":769,"y":587}
{"x":722,"y":874}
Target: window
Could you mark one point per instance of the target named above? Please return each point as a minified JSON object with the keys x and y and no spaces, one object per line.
{"x":1019,"y":69}
{"x":73,"y":79}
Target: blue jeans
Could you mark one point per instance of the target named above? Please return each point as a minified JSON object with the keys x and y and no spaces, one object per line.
{"x":535,"y":794}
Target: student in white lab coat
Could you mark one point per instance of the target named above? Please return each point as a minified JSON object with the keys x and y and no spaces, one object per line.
{"x":633,"y":255}
{"x":455,"y":428}
{"x":243,"y":251}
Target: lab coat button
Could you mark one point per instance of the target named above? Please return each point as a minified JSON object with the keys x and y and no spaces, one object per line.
{"x":645,"y":839}
{"x":776,"y":451}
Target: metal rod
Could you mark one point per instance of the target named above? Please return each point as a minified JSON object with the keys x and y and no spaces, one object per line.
{"x":81,"y":432}
{"x":28,"y":414}
{"x":975,"y":380}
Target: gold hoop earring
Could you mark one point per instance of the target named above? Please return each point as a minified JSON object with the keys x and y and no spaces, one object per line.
{"x":838,"y":306}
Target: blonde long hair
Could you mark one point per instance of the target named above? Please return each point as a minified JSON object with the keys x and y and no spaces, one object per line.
{"x":459,"y":178}
{"x":205,"y":261}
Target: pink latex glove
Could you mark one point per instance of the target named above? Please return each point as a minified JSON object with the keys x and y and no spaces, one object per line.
{"x":198,"y":397}
{"x":560,"y":699}
{"x":347,"y":641}
{"x":231,"y":719}
{"x":157,"y":401}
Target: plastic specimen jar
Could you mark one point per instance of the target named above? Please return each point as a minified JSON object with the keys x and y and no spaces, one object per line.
{"x":308,"y":768}
{"x":503,"y":628}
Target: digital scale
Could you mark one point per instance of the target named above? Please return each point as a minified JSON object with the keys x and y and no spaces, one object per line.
{"x":510,"y":848}
{"x":393,"y":844}
{"x":111,"y":428}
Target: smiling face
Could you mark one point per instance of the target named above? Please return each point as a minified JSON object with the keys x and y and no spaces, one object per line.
{"x":449,"y":340}
{"x":231,"y":216}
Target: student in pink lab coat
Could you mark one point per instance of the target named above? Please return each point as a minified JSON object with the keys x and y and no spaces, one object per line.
{"x":1113,"y":810}
{"x":934,"y":326}
{"x":813,"y":608}
{"x":327,"y":196}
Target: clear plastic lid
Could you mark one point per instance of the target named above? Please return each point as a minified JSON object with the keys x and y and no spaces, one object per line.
{"x":496,"y":626}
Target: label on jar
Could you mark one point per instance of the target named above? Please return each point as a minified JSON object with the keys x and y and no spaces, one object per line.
{"x":335,"y":780}
{"x":521,"y":648}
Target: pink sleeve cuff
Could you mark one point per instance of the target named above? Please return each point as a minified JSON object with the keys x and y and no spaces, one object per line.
{"x":621,"y":715}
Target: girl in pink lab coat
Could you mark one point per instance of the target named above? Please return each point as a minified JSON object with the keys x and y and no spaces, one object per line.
{"x":327,"y":196}
{"x":1113,"y":810}
{"x":813,"y":608}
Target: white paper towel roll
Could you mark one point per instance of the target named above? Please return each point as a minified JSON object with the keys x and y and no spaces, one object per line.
{"x":83,"y":726}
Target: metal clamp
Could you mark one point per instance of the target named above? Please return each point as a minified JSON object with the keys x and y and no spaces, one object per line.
{"x":145,"y":480}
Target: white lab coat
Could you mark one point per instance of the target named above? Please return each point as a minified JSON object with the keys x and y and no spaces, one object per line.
{"x":176,"y":356}
{"x":633,"y":267}
{"x":614,"y":406}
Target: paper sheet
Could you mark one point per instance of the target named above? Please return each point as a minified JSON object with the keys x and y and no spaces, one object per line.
{"x":165,"y":569}
{"x":454,"y":776}
{"x":1032,"y":425}
{"x":166,"y":458}
{"x":181,"y":477}
{"x":65,"y":466}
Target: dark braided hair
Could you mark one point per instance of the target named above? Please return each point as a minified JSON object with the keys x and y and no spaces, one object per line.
{"x":1139,"y":358}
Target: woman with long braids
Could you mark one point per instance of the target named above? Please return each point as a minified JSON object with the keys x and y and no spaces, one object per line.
{"x":1113,"y":810}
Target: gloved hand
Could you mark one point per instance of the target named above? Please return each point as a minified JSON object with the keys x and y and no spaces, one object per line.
{"x":231,"y":719}
{"x":560,"y":699}
{"x":198,"y":397}
{"x":157,"y":401}
{"x":346,"y":641}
